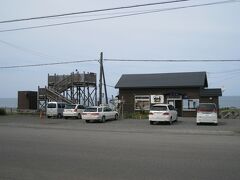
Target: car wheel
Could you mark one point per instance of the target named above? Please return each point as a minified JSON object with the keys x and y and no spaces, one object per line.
{"x":198,"y":124}
{"x":176,"y":119}
{"x":48,"y":117}
{"x":87,"y":121}
{"x":116,"y":117}
{"x":170,"y":121}
{"x":79,"y":116}
{"x":103,"y":119}
{"x":65,"y":117}
{"x":151,"y":122}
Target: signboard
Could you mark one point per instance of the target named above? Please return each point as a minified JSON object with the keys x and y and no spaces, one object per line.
{"x":157,"y":99}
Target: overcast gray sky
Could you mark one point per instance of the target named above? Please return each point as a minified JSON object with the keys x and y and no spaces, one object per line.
{"x":209,"y":32}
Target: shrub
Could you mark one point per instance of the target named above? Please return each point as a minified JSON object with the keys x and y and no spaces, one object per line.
{"x":2,"y":111}
{"x":137,"y":115}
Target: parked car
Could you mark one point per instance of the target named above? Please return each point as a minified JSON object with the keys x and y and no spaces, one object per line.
{"x":73,"y":110}
{"x":99,"y":113}
{"x":162,"y":113}
{"x":55,"y":109}
{"x":207,"y":113}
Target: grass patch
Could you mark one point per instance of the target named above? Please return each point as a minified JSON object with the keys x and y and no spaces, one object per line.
{"x":226,"y":110}
{"x":229,"y":113}
{"x":137,"y":115}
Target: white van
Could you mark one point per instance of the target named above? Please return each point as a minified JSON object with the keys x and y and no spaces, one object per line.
{"x":55,"y":109}
{"x":207,"y":113}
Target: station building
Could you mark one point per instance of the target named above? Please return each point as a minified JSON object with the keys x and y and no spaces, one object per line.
{"x":184,"y":90}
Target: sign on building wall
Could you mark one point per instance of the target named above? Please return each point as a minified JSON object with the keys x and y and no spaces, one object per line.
{"x":190,"y":104}
{"x":142,"y":102}
{"x":157,"y":99}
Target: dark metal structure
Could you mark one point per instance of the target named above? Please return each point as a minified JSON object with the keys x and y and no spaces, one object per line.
{"x":73,"y":88}
{"x":27,"y":100}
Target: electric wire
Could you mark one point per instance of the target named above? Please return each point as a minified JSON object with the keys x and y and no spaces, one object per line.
{"x":116,"y":60}
{"x":33,"y":52}
{"x":46,"y":64}
{"x":119,"y":16}
{"x":172,"y":60}
{"x":94,"y":11}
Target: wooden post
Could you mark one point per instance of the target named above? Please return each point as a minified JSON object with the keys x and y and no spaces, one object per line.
{"x":100,"y":79}
{"x":105,"y":86}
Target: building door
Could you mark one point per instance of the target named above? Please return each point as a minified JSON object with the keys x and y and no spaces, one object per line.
{"x":178,"y":105}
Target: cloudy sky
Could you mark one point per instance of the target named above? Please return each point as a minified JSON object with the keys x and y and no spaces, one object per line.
{"x":205,"y":32}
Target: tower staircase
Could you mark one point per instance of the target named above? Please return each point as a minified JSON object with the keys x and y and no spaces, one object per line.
{"x":73,"y":88}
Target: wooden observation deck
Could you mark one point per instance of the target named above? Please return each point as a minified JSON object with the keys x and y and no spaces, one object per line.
{"x":77,"y":87}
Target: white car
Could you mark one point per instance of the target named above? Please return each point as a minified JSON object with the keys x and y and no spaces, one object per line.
{"x":99,"y":113}
{"x":55,"y":109}
{"x":73,"y":110}
{"x":207,"y":113}
{"x":162,"y":113}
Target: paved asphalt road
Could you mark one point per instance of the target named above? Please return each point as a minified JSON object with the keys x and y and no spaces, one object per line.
{"x":64,"y":150}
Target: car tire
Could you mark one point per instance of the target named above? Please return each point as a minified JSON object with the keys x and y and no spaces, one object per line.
{"x":79,"y":116}
{"x":170,"y":121}
{"x":151,"y":122}
{"x":103,"y":119}
{"x":198,"y":124}
{"x":87,"y":121}
{"x":65,"y":117}
{"x":48,"y":117}
{"x":116,"y":117}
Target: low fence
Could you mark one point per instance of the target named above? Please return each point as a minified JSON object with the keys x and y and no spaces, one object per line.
{"x":9,"y":110}
{"x":230,"y":114}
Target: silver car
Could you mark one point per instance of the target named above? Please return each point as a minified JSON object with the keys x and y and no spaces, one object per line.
{"x":74,"y":111}
{"x":162,"y":113}
{"x":207,"y":113}
{"x":99,"y":113}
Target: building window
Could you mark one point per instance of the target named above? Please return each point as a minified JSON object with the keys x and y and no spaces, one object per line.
{"x":190,"y":104}
{"x":142,"y":102}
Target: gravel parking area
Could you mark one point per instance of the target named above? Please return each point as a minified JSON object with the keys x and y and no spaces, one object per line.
{"x":183,"y":126}
{"x":34,"y":148}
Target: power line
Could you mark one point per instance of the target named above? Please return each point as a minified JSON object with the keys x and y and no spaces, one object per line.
{"x":172,"y":60}
{"x":227,"y":71}
{"x":119,"y":16}
{"x":139,"y":11}
{"x":121,"y":60}
{"x":36,"y":53}
{"x":93,"y":11}
{"x":46,"y":64}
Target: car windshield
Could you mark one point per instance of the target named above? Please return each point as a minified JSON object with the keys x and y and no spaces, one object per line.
{"x":70,"y":106}
{"x":90,"y":110}
{"x":51,"y":105}
{"x":207,"y":107}
{"x":158,"y":108}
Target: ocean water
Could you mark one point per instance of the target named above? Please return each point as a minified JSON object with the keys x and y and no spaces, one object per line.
{"x":229,"y":101}
{"x":224,"y":101}
{"x":8,"y":102}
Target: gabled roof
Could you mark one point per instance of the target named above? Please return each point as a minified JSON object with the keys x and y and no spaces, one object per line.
{"x":163,"y":80}
{"x":211,"y":92}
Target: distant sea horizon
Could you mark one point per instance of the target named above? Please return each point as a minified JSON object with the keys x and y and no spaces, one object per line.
{"x":224,"y":101}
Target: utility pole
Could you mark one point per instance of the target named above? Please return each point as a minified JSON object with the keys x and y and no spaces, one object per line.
{"x":102,"y":81}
